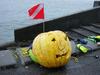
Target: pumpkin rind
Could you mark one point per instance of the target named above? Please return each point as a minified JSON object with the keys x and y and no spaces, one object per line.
{"x":52,"y":49}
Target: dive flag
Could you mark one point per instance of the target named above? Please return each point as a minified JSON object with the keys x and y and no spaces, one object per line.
{"x":37,"y":11}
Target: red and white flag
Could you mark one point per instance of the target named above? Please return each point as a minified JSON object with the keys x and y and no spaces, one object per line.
{"x":37,"y":11}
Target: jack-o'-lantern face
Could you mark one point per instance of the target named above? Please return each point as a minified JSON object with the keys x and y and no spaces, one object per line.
{"x":52,"y":49}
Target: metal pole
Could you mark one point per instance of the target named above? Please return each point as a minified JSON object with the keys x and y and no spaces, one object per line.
{"x":43,"y":26}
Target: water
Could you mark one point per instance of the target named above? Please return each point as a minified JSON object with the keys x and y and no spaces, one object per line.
{"x":13,"y":13}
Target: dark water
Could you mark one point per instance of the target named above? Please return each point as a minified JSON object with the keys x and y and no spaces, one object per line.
{"x":13,"y":13}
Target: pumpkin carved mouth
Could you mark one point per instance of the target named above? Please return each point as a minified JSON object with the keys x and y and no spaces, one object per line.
{"x":60,"y":55}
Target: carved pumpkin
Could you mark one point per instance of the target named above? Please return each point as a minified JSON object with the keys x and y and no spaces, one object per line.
{"x":51,"y":49}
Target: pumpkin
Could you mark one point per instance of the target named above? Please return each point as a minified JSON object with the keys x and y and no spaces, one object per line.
{"x":51,"y":49}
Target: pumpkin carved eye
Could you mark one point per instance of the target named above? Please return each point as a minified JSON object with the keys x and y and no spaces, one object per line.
{"x":66,"y":38}
{"x":53,"y":39}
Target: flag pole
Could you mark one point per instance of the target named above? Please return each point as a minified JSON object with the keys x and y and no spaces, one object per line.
{"x":43,"y":22}
{"x":43,"y":26}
